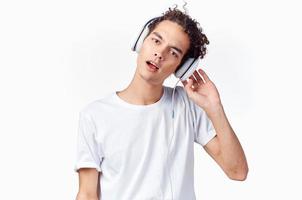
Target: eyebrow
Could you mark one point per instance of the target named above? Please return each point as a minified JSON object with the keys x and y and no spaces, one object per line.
{"x":177,"y":49}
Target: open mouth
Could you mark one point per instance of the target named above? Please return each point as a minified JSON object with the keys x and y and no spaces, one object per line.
{"x":151,"y":65}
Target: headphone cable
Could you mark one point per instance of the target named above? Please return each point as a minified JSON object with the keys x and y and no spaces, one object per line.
{"x":171,"y":188}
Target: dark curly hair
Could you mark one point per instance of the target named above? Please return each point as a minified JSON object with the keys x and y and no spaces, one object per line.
{"x":198,"y":40}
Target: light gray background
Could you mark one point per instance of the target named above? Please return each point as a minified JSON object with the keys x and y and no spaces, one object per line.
{"x":57,"y":56}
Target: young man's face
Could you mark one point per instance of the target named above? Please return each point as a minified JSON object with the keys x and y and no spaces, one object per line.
{"x":165,"y":46}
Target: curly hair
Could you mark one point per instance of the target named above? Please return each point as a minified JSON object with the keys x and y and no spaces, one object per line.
{"x":198,"y":39}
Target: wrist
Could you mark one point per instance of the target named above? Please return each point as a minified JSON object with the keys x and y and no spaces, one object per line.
{"x":214,"y":109}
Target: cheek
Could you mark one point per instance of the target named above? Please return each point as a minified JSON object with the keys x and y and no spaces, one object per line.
{"x":173,"y":65}
{"x":144,"y":52}
{"x":146,"y":49}
{"x":169,"y":68}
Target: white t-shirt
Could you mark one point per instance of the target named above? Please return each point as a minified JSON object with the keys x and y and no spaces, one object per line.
{"x":128,"y":143}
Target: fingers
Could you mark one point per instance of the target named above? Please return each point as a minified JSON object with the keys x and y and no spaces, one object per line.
{"x":204,"y":75}
{"x":198,"y":77}
{"x":188,"y":84}
{"x":194,"y":83}
{"x":191,"y":87}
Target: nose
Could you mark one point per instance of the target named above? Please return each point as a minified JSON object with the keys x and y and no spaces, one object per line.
{"x":159,"y":55}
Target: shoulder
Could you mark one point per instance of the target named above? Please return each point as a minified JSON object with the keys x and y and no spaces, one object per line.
{"x":181,"y":99}
{"x":96,"y":106}
{"x":178,"y":91}
{"x":181,"y":95}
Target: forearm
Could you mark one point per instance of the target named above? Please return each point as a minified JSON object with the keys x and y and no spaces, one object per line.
{"x":89,"y":184}
{"x":231,"y":151}
{"x":84,"y":196}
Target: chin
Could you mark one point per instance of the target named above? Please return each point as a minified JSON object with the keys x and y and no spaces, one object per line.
{"x":149,"y":78}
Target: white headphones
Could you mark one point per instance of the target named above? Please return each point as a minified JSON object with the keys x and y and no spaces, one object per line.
{"x":183,"y":72}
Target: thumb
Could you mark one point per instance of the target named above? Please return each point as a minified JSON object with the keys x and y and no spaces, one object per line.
{"x":191,"y":93}
{"x":188,"y":86}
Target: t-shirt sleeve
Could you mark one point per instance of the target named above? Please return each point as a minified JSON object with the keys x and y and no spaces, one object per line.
{"x":89,"y":153}
{"x":203,"y":128}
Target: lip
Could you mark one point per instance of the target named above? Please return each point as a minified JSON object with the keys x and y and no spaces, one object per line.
{"x":156,"y":64}
{"x":151,"y":69}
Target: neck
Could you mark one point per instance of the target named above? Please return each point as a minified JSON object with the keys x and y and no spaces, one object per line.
{"x":141,"y":92}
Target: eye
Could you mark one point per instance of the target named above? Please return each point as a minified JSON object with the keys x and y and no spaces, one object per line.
{"x":156,"y":40}
{"x":174,"y":54}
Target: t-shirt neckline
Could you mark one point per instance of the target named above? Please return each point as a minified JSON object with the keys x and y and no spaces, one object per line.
{"x":137,"y":106}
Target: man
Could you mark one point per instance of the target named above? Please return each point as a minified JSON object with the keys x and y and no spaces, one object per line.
{"x":123,"y":139}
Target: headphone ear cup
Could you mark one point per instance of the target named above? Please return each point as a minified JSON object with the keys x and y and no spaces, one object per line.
{"x":187,"y":69}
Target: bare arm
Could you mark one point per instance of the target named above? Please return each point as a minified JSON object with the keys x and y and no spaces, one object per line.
{"x":225,"y":148}
{"x":89,"y":188}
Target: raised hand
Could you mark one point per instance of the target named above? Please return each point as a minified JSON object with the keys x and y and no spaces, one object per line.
{"x":202,"y":90}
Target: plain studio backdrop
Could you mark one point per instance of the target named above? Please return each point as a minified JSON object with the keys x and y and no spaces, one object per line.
{"x":57,"y":56}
